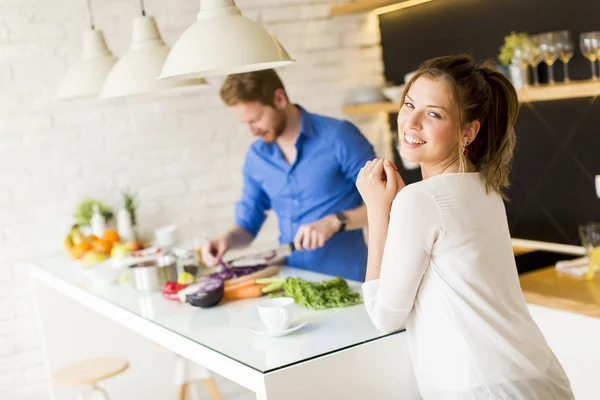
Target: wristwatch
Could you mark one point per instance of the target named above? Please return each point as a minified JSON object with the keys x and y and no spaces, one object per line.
{"x":341,"y":217}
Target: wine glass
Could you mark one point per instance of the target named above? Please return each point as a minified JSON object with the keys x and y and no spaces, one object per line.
{"x":549,"y":53}
{"x":590,"y":239}
{"x":590,"y":46}
{"x":564,"y":45}
{"x":533,"y":56}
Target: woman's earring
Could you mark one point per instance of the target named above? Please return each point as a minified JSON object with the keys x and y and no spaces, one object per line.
{"x":464,"y":148}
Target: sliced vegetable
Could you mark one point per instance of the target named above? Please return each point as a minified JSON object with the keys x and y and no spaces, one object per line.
{"x":245,"y":292}
{"x":205,"y":293}
{"x":239,"y":285}
{"x":171,"y":290}
{"x":227,"y":272}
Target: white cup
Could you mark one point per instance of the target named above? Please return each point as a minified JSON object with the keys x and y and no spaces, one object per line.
{"x":276,"y":314}
{"x":165,"y":237}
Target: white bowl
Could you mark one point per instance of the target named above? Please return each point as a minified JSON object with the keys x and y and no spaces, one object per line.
{"x":104,"y":273}
{"x":394,"y":93}
{"x":409,"y":76}
{"x":364,"y":95}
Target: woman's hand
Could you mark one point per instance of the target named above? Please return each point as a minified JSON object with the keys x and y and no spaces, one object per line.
{"x":378,"y":183}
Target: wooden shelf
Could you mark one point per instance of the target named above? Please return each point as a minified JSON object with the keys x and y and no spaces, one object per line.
{"x":360,"y":6}
{"x":559,"y":91}
{"x":371,"y":108}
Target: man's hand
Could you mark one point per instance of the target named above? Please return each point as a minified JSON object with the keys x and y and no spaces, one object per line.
{"x":314,"y":235}
{"x":213,"y":250}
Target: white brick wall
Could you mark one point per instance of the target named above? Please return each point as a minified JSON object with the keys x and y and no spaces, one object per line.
{"x":181,"y":153}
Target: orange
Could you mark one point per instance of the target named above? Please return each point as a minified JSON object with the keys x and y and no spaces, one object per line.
{"x":81,"y":249}
{"x":93,"y":238}
{"x":111,"y":235}
{"x":103,"y":246}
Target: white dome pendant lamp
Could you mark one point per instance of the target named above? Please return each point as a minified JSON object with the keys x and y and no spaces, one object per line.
{"x":137,"y":71}
{"x":222,"y":41}
{"x":86,"y":77}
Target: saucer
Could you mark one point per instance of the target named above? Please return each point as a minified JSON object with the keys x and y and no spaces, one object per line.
{"x":260,"y":329}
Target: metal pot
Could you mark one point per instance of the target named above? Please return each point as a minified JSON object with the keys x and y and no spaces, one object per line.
{"x":151,"y":275}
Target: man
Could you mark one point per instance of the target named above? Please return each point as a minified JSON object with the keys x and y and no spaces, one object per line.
{"x":304,"y":167}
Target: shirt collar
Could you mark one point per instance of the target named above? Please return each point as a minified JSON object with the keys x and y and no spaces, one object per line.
{"x":306,"y":127}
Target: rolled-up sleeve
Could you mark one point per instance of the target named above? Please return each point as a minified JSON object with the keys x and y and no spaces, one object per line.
{"x":415,"y":224}
{"x":251,"y":209}
{"x":353,"y":150}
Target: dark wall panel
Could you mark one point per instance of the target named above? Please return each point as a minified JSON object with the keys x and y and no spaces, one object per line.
{"x":558,"y":151}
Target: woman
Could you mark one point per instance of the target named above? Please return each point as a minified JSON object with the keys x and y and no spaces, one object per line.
{"x":440,"y":256}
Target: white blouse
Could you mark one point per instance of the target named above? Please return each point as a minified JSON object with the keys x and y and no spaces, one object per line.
{"x":449,"y":275}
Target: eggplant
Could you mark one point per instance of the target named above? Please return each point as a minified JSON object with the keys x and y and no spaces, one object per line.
{"x":205,"y":293}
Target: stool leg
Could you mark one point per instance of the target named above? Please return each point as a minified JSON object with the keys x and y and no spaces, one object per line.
{"x":102,"y":392}
{"x":186,"y":391}
{"x":180,"y":372}
{"x":211,"y":387}
{"x":181,"y":391}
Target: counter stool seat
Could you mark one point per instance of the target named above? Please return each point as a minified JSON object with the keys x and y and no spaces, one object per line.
{"x":89,"y":372}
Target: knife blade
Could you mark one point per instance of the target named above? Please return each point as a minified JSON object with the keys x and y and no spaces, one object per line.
{"x":263,"y":257}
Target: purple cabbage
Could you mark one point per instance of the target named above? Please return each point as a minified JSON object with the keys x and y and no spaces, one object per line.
{"x":227,"y":272}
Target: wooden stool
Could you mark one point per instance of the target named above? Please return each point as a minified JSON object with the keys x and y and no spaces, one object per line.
{"x":188,"y":372}
{"x":89,"y":372}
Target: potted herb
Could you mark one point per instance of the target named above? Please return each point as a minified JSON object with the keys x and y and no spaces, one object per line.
{"x":85,"y":210}
{"x":513,"y":54}
{"x":126,"y":217}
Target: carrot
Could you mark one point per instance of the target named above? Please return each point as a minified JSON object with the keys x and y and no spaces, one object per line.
{"x":245,"y":292}
{"x":235,"y":286}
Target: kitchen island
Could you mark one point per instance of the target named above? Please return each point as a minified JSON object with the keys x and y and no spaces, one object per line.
{"x":338,"y":354}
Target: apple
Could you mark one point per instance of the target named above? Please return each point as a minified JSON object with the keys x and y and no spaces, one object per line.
{"x":92,"y":258}
{"x":120,"y":250}
{"x":134,"y":245}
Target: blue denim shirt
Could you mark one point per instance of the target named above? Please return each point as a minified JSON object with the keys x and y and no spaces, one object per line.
{"x":320,"y":182}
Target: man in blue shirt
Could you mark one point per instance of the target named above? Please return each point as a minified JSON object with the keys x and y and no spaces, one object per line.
{"x":304,"y":167}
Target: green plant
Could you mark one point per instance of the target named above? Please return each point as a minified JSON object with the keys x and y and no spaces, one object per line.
{"x":511,"y":42}
{"x":130,"y":203}
{"x":85,"y":210}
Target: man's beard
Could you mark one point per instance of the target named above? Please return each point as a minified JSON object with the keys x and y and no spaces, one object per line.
{"x":280,"y":123}
{"x":277,"y":127}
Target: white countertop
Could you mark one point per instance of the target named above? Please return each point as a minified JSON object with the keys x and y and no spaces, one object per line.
{"x":226,"y":328}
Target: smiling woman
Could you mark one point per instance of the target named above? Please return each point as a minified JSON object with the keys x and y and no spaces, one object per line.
{"x":440,"y":257}
{"x":455,"y":111}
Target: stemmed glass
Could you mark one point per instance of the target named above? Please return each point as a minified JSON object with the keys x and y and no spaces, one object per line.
{"x":564,"y":45}
{"x":549,"y":53}
{"x":590,"y":239}
{"x":533,"y":56}
{"x":590,"y":46}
